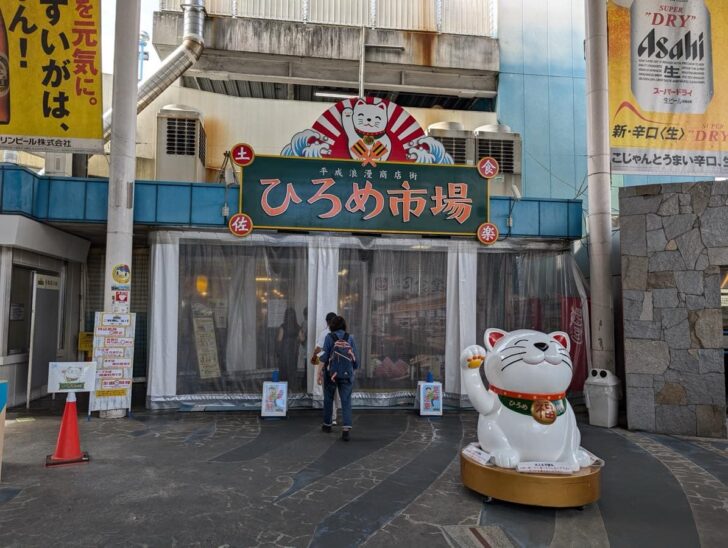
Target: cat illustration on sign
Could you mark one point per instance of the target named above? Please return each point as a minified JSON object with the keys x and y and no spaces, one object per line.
{"x":524,"y":414}
{"x":366,"y":126}
{"x":370,"y":129}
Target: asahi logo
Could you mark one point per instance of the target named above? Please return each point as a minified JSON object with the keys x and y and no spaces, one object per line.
{"x":671,"y":55}
{"x":661,"y":48}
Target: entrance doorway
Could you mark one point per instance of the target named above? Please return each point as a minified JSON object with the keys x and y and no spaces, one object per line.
{"x":44,"y":318}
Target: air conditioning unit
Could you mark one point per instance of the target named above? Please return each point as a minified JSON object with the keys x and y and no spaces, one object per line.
{"x":499,"y":142}
{"x":457,"y":142}
{"x":181,"y":144}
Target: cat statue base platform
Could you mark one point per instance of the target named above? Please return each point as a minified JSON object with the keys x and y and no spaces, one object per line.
{"x":525,"y":417}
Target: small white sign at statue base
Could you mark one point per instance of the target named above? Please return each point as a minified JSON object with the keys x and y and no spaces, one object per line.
{"x":558,"y":468}
{"x":274,"y":401}
{"x":474,"y":452}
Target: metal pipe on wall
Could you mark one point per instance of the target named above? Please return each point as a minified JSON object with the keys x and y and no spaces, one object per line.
{"x":175,"y":65}
{"x":599,"y":181}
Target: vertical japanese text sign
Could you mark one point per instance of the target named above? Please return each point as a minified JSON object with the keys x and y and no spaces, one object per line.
{"x":668,"y":101}
{"x":50,"y":75}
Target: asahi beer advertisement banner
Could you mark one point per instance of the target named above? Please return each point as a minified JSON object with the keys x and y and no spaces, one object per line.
{"x":667,"y":108}
{"x":50,"y":76}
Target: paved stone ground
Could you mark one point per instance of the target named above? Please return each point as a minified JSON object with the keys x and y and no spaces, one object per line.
{"x":235,"y":480}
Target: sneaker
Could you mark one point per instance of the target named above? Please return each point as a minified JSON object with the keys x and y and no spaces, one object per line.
{"x":326,"y":429}
{"x":333,"y":422}
{"x":345,"y":435}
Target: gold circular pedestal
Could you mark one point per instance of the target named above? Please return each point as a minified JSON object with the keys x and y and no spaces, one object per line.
{"x":555,"y":491}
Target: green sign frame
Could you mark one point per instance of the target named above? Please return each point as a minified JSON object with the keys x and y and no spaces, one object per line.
{"x":308,"y":194}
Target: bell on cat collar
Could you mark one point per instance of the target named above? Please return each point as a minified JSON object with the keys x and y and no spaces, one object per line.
{"x":368,"y":140}
{"x":543,"y":411}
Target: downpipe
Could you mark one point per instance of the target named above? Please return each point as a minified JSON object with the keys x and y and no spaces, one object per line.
{"x":175,"y":65}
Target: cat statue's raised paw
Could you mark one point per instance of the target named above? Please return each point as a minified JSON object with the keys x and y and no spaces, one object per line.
{"x":524,"y":414}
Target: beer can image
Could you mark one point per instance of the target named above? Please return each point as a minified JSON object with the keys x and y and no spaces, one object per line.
{"x":671,"y":55}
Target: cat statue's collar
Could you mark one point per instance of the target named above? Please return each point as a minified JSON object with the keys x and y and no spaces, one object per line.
{"x":544,"y":408}
{"x":527,"y":395}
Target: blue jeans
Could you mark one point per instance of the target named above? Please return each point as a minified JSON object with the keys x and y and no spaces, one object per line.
{"x":345,"y":388}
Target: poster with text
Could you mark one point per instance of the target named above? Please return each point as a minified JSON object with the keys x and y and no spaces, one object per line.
{"x":114,"y":354}
{"x":71,"y":377}
{"x":667,"y":104}
{"x":50,"y":76}
{"x":430,"y":398}
{"x":274,"y":402}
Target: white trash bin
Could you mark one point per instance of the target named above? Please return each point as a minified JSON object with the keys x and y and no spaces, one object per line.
{"x":601,"y":391}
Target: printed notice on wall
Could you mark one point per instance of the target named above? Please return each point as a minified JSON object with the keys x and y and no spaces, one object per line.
{"x":114,"y":353}
{"x":205,"y":342}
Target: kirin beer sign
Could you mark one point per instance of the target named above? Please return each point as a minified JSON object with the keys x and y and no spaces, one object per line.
{"x":368,"y":129}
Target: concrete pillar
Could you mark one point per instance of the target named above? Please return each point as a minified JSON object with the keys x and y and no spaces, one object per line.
{"x":599,"y":180}
{"x":120,"y":224}
{"x":120,"y":227}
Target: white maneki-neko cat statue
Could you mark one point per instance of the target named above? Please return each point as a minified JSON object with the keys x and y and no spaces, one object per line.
{"x":524,"y":414}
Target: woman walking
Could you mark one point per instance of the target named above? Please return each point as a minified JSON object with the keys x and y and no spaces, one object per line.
{"x":340,"y":359}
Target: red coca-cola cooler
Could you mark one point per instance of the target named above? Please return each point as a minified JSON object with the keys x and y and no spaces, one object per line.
{"x":573,"y":322}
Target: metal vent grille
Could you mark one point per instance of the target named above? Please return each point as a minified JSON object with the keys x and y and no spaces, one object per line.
{"x":455,"y":147}
{"x":201,"y":152}
{"x":139,"y":299}
{"x":501,"y":150}
{"x":181,"y":136}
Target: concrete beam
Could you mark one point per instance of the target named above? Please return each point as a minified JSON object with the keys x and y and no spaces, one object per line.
{"x":313,"y":54}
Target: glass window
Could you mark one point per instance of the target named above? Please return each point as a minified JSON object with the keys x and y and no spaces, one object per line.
{"x":394,"y":303}
{"x":21,"y":296}
{"x":241,"y":316}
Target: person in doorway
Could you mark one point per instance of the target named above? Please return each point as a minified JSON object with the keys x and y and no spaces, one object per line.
{"x":302,"y":339}
{"x":318,"y":387}
{"x":340,"y":359}
{"x":287,"y":346}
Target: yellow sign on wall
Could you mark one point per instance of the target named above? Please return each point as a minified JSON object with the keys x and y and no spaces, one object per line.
{"x":50,"y":76}
{"x":668,"y":102}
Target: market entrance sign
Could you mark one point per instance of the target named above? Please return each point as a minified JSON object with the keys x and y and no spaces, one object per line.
{"x":292,"y":193}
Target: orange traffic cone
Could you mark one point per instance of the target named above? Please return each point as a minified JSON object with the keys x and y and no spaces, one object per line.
{"x":68,"y":447}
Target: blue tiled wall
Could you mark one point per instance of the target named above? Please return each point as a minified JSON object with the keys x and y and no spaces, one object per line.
{"x":542,"y":96}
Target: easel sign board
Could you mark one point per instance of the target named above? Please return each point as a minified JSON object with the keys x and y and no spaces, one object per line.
{"x":274,"y":402}
{"x":430,"y":398}
{"x":3,"y":405}
{"x":71,"y":376}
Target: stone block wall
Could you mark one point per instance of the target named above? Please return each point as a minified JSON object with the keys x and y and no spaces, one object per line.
{"x":674,"y":240}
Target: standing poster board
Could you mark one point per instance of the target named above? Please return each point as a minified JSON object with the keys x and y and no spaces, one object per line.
{"x":430,"y":398}
{"x":113,"y":351}
{"x":274,"y":402}
{"x":3,"y":405}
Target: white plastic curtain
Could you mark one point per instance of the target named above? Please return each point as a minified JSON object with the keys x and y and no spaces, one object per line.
{"x":394,"y":302}
{"x":246,"y":308}
{"x":241,"y":316}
